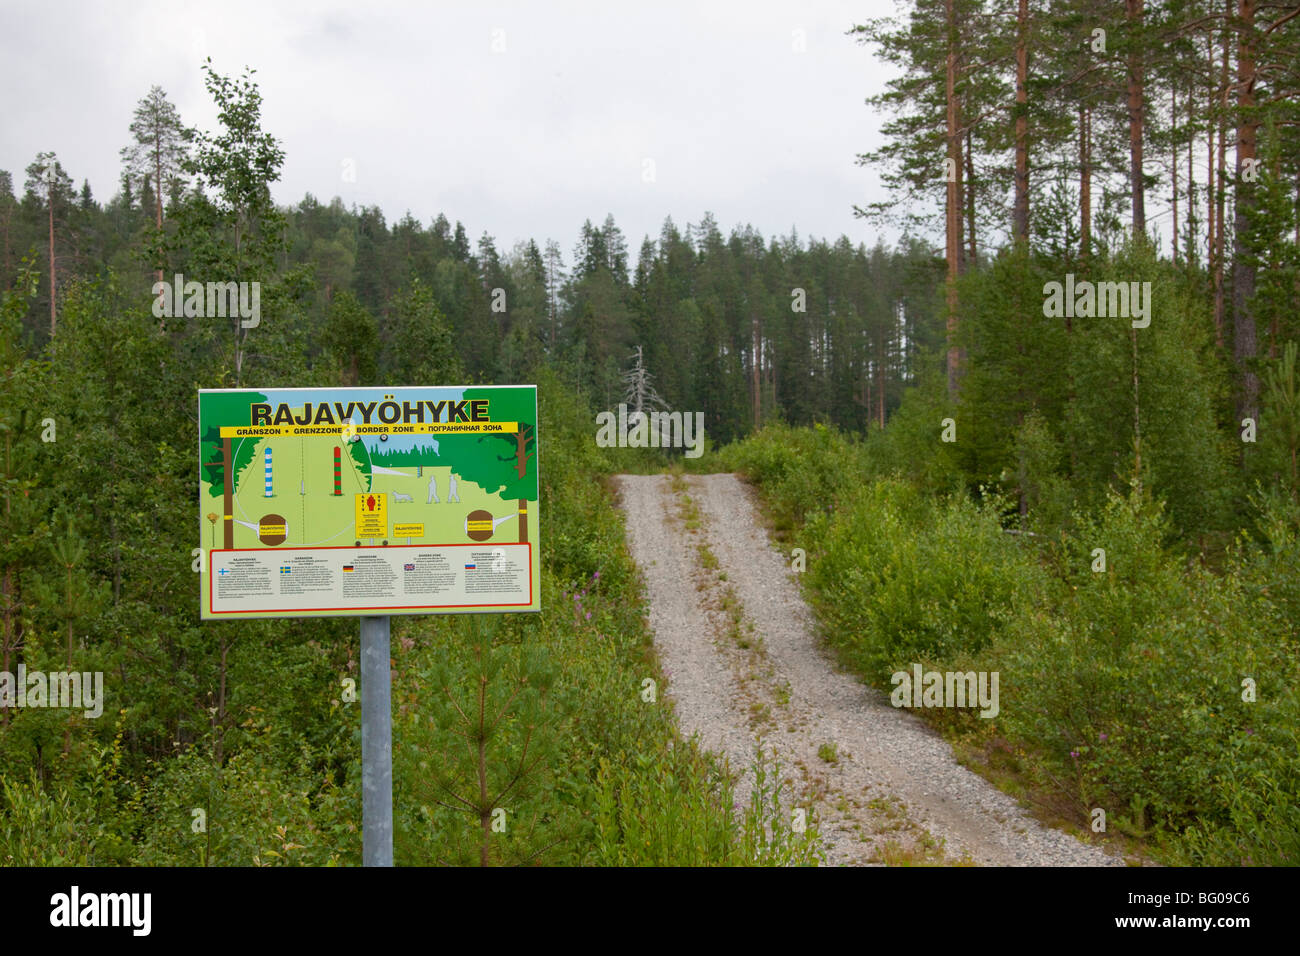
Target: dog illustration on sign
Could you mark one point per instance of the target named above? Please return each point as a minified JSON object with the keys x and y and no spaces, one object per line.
{"x":398,"y":496}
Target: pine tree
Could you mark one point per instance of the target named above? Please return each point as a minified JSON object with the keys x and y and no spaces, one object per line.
{"x":554,"y":263}
{"x":51,"y":187}
{"x":495,"y":733}
{"x":159,"y":152}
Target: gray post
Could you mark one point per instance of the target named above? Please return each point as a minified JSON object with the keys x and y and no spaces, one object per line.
{"x":376,"y":744}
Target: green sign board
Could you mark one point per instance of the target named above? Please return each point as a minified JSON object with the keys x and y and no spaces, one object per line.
{"x":348,"y":502}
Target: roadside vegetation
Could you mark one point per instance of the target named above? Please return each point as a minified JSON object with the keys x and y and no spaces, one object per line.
{"x":1127,"y":690}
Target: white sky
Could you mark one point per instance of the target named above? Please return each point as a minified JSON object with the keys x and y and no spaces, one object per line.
{"x":522,"y":143}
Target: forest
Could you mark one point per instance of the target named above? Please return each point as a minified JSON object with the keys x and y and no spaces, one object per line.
{"x":951,"y":450}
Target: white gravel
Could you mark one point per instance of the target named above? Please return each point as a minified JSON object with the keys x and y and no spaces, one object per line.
{"x":893,"y":787}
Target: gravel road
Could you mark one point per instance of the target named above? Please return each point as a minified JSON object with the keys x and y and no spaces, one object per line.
{"x":745,"y":669}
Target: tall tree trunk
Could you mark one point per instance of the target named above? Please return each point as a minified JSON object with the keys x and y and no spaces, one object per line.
{"x":1220,"y":243}
{"x":1296,"y":285}
{"x":1274,"y":264}
{"x":4,"y":256}
{"x":1135,"y":13}
{"x":1244,"y":341}
{"x":1191,"y":177}
{"x":53,"y":284}
{"x":550,"y":292}
{"x":771,"y":383}
{"x":1085,"y":182}
{"x":880,"y":382}
{"x":1020,"y":216}
{"x":952,"y":228}
{"x":1173,"y":145}
{"x":968,"y":188}
{"x":158,"y":209}
{"x":1211,"y":223}
{"x":868,"y":387}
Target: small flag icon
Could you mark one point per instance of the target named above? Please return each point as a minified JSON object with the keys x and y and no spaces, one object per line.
{"x":224,"y":571}
{"x":285,"y":569}
{"x":470,"y":567}
{"x":408,"y":567}
{"x":348,"y":567}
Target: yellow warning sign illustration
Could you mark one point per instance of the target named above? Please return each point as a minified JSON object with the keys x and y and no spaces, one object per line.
{"x":372,"y":515}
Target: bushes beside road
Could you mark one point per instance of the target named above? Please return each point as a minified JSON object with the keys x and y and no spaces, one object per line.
{"x":1120,"y":690}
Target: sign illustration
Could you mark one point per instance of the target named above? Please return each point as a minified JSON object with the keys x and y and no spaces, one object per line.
{"x":320,"y":502}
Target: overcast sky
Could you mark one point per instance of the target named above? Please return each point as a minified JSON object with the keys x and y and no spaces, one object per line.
{"x":521,"y":119}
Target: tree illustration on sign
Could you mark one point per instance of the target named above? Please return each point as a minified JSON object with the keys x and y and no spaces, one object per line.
{"x":359,"y":452}
{"x":504,"y":464}
{"x":221,"y":466}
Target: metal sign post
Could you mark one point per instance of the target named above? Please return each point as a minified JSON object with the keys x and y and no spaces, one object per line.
{"x":376,"y":744}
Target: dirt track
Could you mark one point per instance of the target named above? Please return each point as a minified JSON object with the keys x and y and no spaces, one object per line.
{"x":744,"y":668}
